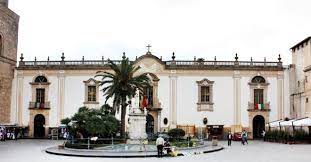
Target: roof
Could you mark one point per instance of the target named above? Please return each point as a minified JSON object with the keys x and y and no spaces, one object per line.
{"x":303,"y":41}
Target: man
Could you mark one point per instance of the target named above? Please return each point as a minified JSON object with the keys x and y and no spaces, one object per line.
{"x":160,"y":144}
{"x":229,"y":137}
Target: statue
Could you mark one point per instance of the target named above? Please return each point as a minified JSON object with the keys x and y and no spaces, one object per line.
{"x":136,"y":102}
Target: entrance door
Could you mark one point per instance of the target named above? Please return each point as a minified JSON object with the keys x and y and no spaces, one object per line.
{"x":149,"y":125}
{"x":39,"y":121}
{"x":258,"y":126}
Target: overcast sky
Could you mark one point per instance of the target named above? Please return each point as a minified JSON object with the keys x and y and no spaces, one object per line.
{"x":201,"y":28}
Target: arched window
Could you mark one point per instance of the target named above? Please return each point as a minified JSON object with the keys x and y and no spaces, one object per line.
{"x":258,"y":80}
{"x":41,"y":79}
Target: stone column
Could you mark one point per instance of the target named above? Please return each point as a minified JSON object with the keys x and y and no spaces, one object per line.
{"x":19,"y":98}
{"x":237,"y":102}
{"x":61,"y":96}
{"x":173,"y":100}
{"x":280,"y":95}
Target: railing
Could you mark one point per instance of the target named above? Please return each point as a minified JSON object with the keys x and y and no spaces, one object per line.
{"x":169,"y":64}
{"x":67,"y":63}
{"x":223,"y":63}
{"x":39,"y":105}
{"x":252,"y":107}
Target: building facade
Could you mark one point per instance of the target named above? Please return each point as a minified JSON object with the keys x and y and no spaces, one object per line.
{"x":8,"y":53}
{"x":300,"y":74}
{"x":192,"y":95}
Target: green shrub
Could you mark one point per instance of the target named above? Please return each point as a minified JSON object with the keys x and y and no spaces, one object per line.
{"x":176,"y":133}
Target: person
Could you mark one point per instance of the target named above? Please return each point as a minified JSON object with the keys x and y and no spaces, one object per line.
{"x":16,"y":130}
{"x":244,"y":137}
{"x":160,"y":144}
{"x":229,"y":137}
{"x":167,"y":146}
{"x":263,"y":134}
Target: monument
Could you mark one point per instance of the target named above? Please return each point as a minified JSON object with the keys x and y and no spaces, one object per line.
{"x":137,"y":122}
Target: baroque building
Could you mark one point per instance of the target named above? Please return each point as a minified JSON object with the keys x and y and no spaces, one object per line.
{"x":196,"y":95}
{"x":8,"y":53}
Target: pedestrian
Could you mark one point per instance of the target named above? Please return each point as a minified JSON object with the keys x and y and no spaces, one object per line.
{"x":16,"y":130}
{"x":229,"y":137}
{"x":160,"y":145}
{"x":263,"y":135}
{"x":244,"y":137}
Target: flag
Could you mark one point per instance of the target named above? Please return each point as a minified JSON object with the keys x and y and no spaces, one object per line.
{"x":259,"y":106}
{"x":144,"y":102}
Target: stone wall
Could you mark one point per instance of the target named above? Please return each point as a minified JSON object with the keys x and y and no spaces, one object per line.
{"x":8,"y":53}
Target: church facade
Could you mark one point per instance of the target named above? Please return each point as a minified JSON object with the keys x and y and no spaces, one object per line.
{"x":192,"y":95}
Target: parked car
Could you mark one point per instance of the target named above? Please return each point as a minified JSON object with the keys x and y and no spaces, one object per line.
{"x":237,"y":136}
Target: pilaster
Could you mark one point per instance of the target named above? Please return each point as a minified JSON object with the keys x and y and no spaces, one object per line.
{"x":237,"y":102}
{"x":61,"y":96}
{"x":280,"y":95}
{"x":173,"y":99}
{"x":19,"y":99}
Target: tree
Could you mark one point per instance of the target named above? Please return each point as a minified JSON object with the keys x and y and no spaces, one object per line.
{"x":92,"y":122}
{"x":121,"y":85}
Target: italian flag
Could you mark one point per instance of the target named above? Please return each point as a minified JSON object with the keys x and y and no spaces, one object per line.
{"x":259,"y":106}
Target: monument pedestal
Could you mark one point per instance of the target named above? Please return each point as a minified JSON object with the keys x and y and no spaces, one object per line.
{"x":137,"y":128}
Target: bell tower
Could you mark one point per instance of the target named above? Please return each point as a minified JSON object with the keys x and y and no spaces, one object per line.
{"x":8,"y":54}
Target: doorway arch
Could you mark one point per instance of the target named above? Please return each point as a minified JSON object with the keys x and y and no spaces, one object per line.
{"x":149,"y":124}
{"x":39,"y":122}
{"x":258,"y":126}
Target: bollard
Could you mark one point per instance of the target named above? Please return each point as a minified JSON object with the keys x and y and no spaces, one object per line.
{"x":88,"y":143}
{"x":214,"y":141}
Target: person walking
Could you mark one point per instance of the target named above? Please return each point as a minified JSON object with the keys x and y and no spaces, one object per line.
{"x":244,"y":137}
{"x":229,"y":137}
{"x":160,"y":144}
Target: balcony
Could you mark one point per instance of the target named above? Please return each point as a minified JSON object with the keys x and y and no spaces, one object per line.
{"x":252,"y":107}
{"x":38,"y":105}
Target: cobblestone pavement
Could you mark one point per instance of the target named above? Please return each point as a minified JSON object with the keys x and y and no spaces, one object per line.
{"x":255,"y":151}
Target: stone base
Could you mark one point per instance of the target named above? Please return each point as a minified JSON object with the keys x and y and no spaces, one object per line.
{"x":137,"y":128}
{"x":137,"y":141}
{"x":236,"y":128}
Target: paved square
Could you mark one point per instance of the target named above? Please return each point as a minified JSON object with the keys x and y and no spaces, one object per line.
{"x":255,"y":151}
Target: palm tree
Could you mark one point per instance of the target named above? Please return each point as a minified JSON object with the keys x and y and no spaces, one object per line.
{"x":121,"y":85}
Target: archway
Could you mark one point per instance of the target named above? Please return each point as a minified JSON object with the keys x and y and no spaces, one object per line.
{"x":149,"y":125}
{"x":39,"y":122}
{"x":258,"y":126}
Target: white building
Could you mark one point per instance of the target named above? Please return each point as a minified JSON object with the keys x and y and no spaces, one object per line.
{"x":193,"y":95}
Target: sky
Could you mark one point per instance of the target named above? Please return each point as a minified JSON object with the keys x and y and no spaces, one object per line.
{"x":201,"y":28}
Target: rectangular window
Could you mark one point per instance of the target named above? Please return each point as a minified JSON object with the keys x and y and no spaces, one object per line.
{"x":40,"y":95}
{"x":205,"y":94}
{"x":258,"y":96}
{"x":91,"y":94}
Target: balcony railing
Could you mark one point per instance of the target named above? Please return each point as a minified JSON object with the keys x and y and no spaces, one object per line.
{"x":252,"y":107}
{"x":172,"y":64}
{"x":39,"y":105}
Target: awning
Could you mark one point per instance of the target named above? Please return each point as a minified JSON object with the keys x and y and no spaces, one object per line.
{"x":274,"y":123}
{"x":287,"y":123}
{"x":303,"y":122}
